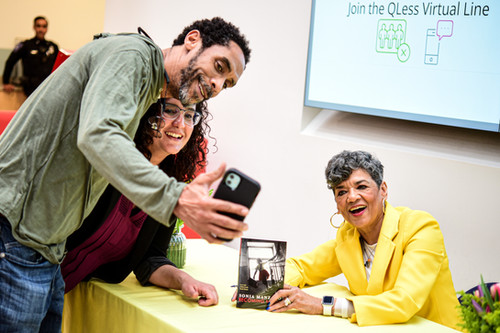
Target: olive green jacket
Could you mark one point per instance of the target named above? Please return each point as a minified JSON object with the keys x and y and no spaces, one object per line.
{"x":74,"y":135}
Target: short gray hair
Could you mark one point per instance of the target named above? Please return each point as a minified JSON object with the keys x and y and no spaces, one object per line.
{"x":341,"y":166}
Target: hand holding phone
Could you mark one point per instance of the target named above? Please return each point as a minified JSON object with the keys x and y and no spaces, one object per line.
{"x":239,"y":188}
{"x":203,"y":214}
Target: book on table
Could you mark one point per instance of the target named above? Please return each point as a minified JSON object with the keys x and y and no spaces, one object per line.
{"x":261,"y":271}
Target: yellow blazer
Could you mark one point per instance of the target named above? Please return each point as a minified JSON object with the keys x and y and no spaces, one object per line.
{"x":410,"y":274}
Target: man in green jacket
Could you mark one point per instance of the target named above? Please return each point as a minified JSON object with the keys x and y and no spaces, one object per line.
{"x":74,"y":135}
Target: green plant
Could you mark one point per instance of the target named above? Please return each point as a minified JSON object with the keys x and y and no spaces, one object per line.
{"x":178,"y":225}
{"x":480,"y":312}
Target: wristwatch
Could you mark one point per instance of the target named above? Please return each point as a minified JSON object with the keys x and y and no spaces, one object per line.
{"x":327,"y":303}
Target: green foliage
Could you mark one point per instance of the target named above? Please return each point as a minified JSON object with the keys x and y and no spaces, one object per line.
{"x":178,"y":225}
{"x":480,"y":314}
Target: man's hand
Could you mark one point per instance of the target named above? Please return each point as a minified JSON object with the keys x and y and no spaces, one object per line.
{"x":200,"y":212}
{"x":8,"y":87}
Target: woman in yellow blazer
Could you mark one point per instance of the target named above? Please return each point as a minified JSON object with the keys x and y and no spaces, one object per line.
{"x":394,"y":259}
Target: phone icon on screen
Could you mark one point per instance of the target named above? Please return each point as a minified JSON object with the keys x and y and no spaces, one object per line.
{"x":431,"y":47}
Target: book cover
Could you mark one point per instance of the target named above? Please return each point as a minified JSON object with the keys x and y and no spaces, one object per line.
{"x":261,"y":271}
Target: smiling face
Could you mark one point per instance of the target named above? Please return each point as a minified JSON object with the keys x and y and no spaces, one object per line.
{"x":174,"y":135}
{"x":361,"y":203}
{"x":40,"y":28}
{"x":208,"y":72}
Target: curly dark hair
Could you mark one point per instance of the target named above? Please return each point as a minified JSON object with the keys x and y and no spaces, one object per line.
{"x":183,"y":165}
{"x":341,"y":166}
{"x":216,"y":32}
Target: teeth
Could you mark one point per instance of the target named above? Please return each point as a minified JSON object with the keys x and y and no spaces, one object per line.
{"x":175,"y":135}
{"x":356,"y":208}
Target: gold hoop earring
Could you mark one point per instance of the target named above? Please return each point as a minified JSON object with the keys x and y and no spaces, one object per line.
{"x":156,"y":123}
{"x":331,"y":222}
{"x":384,"y":203}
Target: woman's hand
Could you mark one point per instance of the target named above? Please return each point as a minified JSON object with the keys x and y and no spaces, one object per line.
{"x":171,"y":277}
{"x":204,"y":292}
{"x":297,"y":299}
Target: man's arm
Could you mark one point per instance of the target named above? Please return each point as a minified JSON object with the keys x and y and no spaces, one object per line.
{"x":14,"y":57}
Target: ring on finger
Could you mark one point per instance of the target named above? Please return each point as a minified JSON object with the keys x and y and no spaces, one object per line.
{"x":287,"y":301}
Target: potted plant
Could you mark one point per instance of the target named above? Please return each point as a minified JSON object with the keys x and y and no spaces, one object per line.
{"x":480,"y":310}
{"x":176,"y":251}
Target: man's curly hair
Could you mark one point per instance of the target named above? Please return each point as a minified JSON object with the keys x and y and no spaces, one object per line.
{"x":183,"y":165}
{"x":216,"y":32}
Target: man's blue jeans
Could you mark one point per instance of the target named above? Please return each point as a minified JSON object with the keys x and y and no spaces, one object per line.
{"x":31,"y":288}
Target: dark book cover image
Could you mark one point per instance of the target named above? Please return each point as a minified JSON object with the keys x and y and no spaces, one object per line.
{"x":261,"y":271}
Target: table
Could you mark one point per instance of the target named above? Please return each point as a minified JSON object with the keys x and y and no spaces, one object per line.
{"x":96,"y":306}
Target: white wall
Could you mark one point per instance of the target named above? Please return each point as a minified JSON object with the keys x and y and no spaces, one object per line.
{"x":72,"y":23}
{"x":262,"y":128}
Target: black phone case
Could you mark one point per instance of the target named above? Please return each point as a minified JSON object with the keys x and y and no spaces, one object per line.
{"x":244,"y":194}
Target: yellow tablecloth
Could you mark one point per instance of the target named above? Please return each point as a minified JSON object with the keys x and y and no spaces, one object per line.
{"x":128,"y":307}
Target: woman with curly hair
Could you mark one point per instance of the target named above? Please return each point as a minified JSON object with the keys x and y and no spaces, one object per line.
{"x":118,"y":237}
{"x":393,"y":258}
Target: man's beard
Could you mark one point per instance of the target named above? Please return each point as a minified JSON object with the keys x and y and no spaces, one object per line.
{"x":188,"y":76}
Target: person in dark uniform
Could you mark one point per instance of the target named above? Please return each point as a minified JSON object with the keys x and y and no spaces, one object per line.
{"x":38,"y":56}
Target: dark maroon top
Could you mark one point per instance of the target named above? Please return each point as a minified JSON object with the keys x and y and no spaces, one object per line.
{"x":112,"y":241}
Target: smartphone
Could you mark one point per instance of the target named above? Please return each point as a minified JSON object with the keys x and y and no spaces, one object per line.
{"x":431,"y":48}
{"x":239,"y":188}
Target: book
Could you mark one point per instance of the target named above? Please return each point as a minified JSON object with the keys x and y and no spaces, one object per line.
{"x":261,"y":271}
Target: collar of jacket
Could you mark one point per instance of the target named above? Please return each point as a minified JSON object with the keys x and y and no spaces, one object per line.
{"x":350,"y":255}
